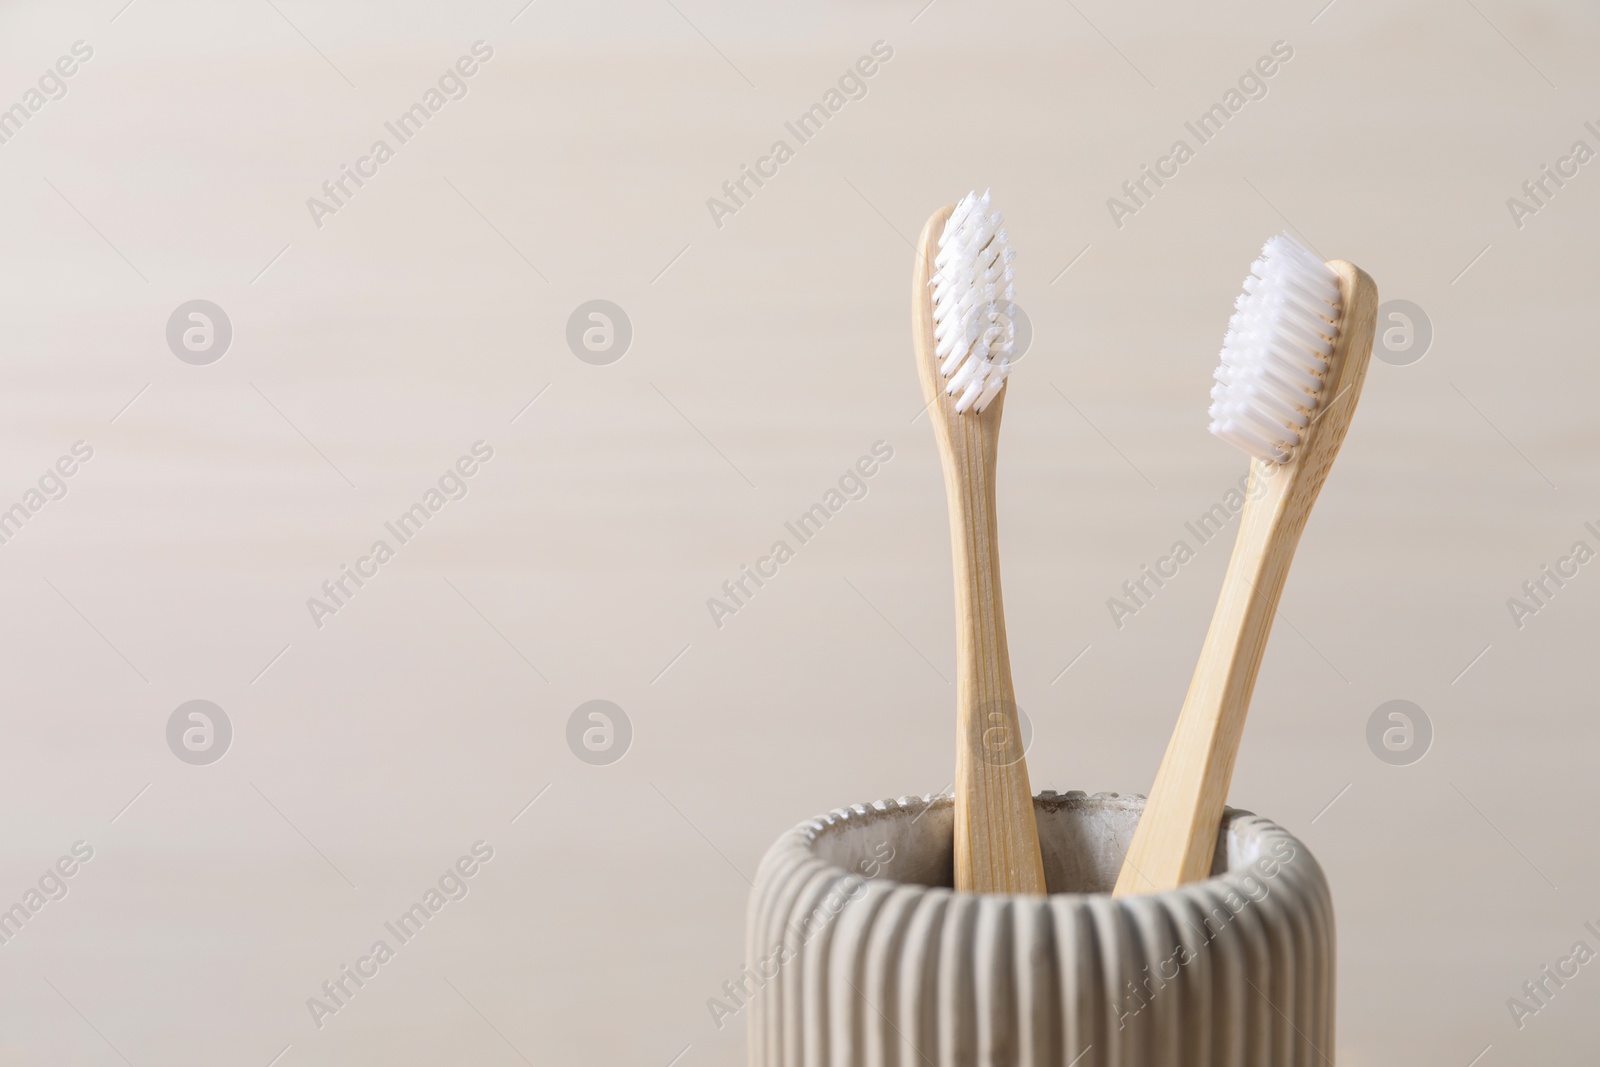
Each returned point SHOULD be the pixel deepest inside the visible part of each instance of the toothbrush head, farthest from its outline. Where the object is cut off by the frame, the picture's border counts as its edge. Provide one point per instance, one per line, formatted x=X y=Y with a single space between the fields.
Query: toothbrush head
x=1277 y=353
x=974 y=319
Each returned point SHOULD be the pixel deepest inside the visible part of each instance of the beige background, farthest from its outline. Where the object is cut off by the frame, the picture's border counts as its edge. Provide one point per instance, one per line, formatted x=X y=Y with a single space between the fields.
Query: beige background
x=767 y=356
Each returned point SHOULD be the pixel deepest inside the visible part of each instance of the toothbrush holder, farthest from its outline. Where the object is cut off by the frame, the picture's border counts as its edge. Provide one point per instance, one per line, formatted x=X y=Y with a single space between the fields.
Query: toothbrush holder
x=859 y=952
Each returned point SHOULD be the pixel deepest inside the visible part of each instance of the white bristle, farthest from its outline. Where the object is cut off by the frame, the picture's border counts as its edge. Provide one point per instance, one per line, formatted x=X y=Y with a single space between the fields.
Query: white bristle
x=1275 y=354
x=974 y=329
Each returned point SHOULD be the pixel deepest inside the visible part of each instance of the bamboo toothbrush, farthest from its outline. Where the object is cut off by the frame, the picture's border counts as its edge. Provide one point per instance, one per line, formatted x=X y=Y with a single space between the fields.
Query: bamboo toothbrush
x=962 y=327
x=1293 y=361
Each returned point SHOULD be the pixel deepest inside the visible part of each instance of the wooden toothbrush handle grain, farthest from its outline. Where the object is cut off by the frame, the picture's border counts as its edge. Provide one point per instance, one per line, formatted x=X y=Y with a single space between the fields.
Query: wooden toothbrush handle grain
x=996 y=835
x=1177 y=834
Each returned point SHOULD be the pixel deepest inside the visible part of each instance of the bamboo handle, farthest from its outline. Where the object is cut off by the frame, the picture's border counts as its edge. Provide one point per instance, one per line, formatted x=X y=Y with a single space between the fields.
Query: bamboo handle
x=996 y=835
x=1176 y=841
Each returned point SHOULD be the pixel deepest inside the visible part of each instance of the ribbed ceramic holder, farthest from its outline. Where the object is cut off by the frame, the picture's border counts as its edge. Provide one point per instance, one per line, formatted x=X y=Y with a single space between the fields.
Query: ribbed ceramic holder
x=860 y=953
